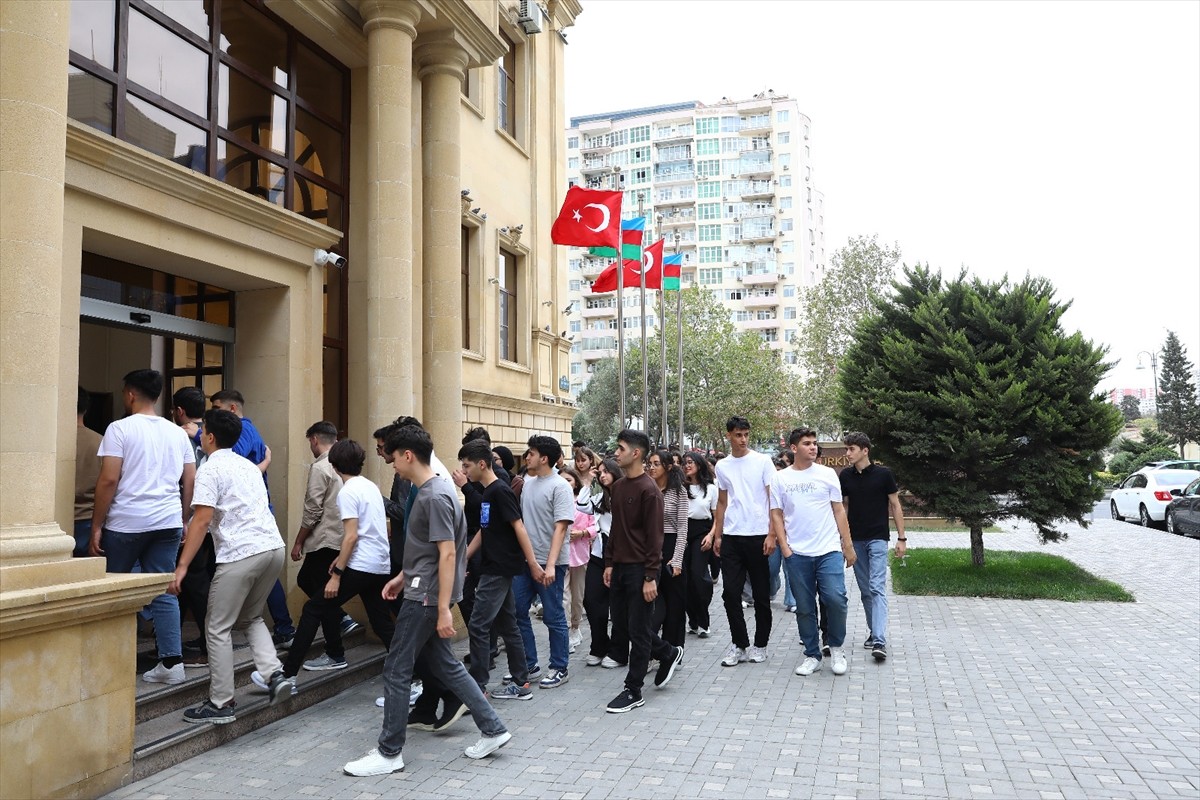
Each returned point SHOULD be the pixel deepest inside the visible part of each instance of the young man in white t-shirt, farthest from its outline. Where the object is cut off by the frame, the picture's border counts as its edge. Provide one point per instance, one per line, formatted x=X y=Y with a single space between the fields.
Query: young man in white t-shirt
x=741 y=536
x=230 y=501
x=810 y=523
x=147 y=468
x=362 y=567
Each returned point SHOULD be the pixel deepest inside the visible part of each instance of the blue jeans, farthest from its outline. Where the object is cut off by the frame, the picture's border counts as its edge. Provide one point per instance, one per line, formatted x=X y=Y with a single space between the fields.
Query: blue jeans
x=554 y=616
x=156 y=551
x=278 y=608
x=416 y=630
x=824 y=576
x=774 y=562
x=789 y=599
x=83 y=537
x=870 y=571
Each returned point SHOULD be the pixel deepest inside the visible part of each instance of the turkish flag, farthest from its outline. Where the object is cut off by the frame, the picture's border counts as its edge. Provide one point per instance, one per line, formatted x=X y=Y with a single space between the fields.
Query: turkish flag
x=651 y=265
x=589 y=218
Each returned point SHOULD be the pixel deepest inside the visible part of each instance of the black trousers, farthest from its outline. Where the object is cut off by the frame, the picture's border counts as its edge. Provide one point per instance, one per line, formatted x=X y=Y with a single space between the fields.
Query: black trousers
x=323 y=612
x=698 y=578
x=595 y=607
x=669 y=618
x=193 y=594
x=741 y=558
x=313 y=575
x=631 y=620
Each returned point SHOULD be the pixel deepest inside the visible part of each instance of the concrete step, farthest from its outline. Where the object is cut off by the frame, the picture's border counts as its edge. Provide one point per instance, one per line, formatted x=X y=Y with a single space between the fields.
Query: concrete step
x=162 y=738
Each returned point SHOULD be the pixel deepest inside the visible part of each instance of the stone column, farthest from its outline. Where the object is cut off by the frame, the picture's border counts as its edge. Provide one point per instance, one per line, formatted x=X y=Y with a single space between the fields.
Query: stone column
x=34 y=37
x=442 y=62
x=391 y=28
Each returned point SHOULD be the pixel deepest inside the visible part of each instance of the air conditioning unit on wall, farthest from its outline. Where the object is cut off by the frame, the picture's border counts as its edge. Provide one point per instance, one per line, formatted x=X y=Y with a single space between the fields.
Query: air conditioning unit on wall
x=529 y=17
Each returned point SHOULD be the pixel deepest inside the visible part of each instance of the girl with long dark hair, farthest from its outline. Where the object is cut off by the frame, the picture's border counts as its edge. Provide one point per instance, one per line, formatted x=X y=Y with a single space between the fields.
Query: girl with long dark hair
x=702 y=501
x=672 y=593
x=595 y=593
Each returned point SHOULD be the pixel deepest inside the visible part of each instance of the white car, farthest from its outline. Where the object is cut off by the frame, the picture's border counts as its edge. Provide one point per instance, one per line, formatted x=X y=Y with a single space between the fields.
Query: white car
x=1145 y=494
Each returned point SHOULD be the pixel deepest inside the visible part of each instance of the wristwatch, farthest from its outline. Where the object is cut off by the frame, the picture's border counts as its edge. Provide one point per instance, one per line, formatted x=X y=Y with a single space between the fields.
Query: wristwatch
x=335 y=569
x=901 y=538
x=649 y=579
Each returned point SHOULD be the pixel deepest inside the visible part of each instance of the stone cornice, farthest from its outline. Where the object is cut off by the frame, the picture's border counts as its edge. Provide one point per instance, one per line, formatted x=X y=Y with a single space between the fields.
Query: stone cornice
x=506 y=403
x=335 y=24
x=26 y=611
x=123 y=160
x=565 y=12
x=483 y=44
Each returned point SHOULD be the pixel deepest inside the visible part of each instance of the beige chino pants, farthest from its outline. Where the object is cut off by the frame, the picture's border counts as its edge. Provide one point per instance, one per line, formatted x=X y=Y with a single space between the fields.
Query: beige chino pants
x=235 y=602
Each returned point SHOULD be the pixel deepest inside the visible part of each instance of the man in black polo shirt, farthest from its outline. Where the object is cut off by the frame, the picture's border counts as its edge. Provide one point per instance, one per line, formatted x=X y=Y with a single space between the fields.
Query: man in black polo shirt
x=870 y=494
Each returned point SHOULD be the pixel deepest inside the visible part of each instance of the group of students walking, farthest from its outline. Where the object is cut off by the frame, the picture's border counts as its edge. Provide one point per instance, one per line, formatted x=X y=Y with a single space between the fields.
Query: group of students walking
x=631 y=541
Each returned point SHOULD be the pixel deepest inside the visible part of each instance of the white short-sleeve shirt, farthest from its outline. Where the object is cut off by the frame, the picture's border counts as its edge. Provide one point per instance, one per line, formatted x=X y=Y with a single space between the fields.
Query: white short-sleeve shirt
x=360 y=499
x=153 y=452
x=804 y=496
x=746 y=479
x=243 y=524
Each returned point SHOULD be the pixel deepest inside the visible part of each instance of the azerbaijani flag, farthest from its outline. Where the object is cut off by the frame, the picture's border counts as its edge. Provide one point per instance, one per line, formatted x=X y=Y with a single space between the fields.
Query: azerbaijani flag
x=632 y=231
x=672 y=269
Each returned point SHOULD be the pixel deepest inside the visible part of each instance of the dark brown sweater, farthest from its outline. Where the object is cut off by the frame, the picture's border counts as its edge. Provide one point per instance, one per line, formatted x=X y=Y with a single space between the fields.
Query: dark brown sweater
x=637 y=524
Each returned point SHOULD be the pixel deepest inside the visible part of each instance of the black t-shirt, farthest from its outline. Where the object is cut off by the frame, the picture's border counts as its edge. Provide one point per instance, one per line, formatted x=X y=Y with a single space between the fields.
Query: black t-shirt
x=500 y=550
x=867 y=493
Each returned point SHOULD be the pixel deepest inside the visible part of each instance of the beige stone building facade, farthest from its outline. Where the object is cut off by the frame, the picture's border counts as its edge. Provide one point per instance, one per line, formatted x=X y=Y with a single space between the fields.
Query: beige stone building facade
x=167 y=172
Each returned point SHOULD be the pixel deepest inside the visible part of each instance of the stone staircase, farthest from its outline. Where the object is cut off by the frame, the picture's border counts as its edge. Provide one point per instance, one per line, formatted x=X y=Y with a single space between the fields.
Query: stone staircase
x=161 y=737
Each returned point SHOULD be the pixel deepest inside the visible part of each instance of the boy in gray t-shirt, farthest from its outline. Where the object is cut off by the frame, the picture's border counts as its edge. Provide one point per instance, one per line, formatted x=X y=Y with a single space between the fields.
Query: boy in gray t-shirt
x=432 y=579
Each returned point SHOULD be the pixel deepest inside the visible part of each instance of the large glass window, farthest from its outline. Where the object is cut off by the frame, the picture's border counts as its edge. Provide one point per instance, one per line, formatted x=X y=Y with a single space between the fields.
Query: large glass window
x=222 y=87
x=507 y=274
x=226 y=88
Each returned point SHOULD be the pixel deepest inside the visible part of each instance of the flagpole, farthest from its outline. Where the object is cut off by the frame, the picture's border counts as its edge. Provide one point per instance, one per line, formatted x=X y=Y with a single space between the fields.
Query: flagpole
x=642 y=282
x=662 y=338
x=680 y=350
x=616 y=174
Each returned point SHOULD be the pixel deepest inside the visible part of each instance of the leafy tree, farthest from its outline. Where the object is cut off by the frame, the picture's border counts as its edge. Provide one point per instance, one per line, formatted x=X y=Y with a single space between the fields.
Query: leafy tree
x=984 y=407
x=725 y=372
x=1130 y=407
x=1178 y=404
x=858 y=275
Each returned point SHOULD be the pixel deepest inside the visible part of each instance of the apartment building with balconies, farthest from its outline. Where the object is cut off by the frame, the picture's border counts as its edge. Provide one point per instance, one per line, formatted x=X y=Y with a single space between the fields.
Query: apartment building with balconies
x=729 y=186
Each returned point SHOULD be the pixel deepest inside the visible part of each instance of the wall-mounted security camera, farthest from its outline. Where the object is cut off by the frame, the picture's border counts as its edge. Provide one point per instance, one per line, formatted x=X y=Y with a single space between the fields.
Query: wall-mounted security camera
x=323 y=257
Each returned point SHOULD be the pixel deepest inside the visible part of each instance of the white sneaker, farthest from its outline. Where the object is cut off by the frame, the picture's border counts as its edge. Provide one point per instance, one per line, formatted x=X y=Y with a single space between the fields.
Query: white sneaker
x=734 y=655
x=576 y=638
x=487 y=745
x=414 y=692
x=608 y=663
x=703 y=633
x=161 y=674
x=809 y=666
x=756 y=655
x=593 y=661
x=839 y=665
x=374 y=763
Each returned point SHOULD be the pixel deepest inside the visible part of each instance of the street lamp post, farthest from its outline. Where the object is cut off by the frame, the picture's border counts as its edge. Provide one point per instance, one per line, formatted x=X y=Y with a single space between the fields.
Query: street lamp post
x=1153 y=372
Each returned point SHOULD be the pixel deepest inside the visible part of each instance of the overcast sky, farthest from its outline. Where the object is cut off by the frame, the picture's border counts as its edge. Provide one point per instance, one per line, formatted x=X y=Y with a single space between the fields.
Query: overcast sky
x=1056 y=138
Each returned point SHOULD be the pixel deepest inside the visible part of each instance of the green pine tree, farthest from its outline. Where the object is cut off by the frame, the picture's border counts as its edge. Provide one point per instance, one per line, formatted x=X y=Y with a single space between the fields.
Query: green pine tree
x=983 y=406
x=1178 y=403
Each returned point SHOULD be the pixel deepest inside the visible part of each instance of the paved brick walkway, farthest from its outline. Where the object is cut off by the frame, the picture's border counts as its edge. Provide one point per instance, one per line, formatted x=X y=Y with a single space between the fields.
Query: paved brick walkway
x=980 y=698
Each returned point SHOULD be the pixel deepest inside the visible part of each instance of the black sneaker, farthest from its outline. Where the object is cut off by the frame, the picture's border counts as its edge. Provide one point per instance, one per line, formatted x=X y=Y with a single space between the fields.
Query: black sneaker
x=625 y=701
x=825 y=651
x=667 y=668
x=281 y=642
x=452 y=711
x=194 y=646
x=421 y=720
x=280 y=687
x=209 y=713
x=879 y=652
x=869 y=643
x=534 y=674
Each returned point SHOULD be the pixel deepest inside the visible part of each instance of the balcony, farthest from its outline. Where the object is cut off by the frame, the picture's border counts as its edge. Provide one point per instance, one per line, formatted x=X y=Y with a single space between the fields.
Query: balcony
x=770 y=300
x=596 y=145
x=758 y=190
x=594 y=166
x=674 y=176
x=755 y=168
x=760 y=102
x=596 y=355
x=761 y=279
x=594 y=126
x=760 y=324
x=678 y=218
x=756 y=125
x=756 y=234
x=674 y=134
x=672 y=199
x=599 y=312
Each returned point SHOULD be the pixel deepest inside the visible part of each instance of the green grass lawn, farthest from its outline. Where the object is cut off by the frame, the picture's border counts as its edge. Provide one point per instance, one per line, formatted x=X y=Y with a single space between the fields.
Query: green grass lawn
x=942 y=527
x=1005 y=573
